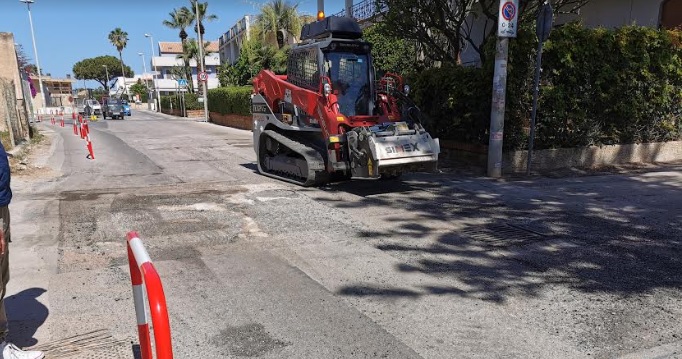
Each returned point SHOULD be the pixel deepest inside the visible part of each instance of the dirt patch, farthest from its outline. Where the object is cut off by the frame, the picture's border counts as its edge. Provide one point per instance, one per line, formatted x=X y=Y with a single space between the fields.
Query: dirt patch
x=25 y=163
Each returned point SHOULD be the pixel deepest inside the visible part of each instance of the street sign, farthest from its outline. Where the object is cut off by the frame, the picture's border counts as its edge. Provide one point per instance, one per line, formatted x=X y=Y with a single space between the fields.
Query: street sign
x=182 y=82
x=203 y=76
x=508 y=18
x=545 y=19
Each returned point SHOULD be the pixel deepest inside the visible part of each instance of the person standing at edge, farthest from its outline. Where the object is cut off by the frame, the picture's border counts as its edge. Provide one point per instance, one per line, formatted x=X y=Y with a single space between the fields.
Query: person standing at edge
x=7 y=350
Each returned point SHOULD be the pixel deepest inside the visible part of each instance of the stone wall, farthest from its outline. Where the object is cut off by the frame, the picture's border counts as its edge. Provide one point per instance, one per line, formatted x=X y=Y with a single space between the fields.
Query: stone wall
x=236 y=121
x=455 y=154
x=13 y=115
x=176 y=112
x=594 y=156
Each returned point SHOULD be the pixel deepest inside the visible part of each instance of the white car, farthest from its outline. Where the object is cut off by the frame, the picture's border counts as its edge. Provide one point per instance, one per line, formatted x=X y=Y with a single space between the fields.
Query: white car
x=94 y=107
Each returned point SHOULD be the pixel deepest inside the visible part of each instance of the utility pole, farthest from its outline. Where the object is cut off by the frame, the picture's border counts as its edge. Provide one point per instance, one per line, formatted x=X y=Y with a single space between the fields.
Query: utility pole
x=201 y=60
x=156 y=91
x=507 y=20
x=349 y=8
x=144 y=68
x=35 y=51
x=320 y=8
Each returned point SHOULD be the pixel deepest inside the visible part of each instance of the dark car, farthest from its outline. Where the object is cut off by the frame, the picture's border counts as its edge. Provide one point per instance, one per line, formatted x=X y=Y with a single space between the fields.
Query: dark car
x=126 y=108
x=113 y=108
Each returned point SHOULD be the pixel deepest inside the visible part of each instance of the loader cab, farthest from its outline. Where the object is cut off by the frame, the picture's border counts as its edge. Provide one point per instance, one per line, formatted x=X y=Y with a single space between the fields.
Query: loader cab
x=348 y=69
x=332 y=49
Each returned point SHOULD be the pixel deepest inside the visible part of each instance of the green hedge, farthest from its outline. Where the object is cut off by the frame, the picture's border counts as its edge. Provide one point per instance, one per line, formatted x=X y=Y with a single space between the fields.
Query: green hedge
x=191 y=102
x=599 y=87
x=611 y=86
x=230 y=100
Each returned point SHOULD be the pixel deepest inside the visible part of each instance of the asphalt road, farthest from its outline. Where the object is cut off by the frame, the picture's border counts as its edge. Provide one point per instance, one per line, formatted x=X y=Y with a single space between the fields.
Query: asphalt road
x=433 y=266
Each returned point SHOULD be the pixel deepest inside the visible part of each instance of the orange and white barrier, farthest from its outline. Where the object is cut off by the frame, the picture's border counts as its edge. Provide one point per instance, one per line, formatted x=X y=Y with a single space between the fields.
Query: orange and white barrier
x=142 y=270
x=75 y=127
x=88 y=144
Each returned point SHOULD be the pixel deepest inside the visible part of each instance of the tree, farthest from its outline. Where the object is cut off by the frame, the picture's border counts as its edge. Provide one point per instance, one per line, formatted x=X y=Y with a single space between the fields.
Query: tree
x=140 y=89
x=119 y=39
x=278 y=20
x=198 y=18
x=182 y=19
x=32 y=69
x=93 y=69
x=441 y=28
x=190 y=51
x=203 y=16
x=391 y=54
x=22 y=58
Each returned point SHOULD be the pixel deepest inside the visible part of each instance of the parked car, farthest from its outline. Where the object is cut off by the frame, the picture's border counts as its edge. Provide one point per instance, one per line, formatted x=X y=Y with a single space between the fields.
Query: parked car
x=126 y=108
x=92 y=107
x=112 y=108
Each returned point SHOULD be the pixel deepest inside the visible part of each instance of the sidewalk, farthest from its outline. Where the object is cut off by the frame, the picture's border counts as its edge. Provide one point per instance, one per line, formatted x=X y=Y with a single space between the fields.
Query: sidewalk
x=34 y=248
x=161 y=114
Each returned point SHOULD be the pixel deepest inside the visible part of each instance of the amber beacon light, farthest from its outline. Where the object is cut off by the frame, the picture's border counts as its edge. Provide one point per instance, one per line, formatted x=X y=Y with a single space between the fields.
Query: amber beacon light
x=320 y=15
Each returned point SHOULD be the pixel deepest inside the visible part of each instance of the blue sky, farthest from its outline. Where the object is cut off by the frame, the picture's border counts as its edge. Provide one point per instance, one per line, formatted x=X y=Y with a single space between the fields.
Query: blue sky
x=68 y=31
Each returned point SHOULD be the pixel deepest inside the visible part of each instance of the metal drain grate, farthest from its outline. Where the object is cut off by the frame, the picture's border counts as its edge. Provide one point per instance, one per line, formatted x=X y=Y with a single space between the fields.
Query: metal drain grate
x=502 y=234
x=93 y=345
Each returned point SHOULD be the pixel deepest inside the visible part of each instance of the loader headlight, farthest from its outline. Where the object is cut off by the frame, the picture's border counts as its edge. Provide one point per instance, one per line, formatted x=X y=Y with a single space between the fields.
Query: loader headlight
x=406 y=89
x=327 y=89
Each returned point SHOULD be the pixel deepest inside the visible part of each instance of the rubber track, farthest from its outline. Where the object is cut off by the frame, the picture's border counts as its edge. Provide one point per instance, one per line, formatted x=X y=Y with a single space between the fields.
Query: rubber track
x=317 y=174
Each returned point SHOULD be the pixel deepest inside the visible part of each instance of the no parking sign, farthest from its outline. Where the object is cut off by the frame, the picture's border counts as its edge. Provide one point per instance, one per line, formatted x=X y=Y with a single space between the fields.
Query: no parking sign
x=508 y=18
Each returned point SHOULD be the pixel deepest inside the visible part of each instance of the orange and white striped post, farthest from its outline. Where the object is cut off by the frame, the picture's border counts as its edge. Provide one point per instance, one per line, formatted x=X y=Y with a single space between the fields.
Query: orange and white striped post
x=142 y=270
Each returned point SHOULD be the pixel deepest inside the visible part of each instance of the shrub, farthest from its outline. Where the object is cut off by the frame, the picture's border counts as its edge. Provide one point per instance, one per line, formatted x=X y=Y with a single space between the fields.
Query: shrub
x=230 y=100
x=191 y=102
x=599 y=87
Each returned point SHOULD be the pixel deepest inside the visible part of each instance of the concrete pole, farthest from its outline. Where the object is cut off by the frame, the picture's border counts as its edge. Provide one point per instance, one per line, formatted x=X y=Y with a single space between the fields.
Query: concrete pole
x=35 y=51
x=349 y=8
x=498 y=108
x=156 y=90
x=201 y=60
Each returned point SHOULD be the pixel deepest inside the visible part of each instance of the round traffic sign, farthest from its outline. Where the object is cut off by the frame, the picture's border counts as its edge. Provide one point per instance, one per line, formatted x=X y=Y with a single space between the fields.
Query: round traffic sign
x=203 y=76
x=508 y=10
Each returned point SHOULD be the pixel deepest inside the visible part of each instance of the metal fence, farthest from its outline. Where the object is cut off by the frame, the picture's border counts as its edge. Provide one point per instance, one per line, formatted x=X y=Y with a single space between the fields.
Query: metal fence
x=364 y=10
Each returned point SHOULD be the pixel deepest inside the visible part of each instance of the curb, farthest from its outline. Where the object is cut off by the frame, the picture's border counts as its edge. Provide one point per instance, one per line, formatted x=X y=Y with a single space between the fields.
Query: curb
x=171 y=116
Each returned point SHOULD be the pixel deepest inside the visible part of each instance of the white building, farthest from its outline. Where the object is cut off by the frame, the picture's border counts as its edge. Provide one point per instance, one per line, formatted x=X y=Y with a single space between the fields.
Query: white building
x=231 y=42
x=116 y=88
x=163 y=64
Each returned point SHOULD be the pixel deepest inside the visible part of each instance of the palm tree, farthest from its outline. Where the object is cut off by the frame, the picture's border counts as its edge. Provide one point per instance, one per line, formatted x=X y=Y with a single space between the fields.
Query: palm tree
x=198 y=20
x=279 y=17
x=190 y=51
x=182 y=19
x=119 y=39
x=203 y=16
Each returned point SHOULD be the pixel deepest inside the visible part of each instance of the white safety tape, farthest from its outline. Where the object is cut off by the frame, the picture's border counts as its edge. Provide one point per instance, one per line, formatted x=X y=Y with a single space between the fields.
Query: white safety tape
x=140 y=253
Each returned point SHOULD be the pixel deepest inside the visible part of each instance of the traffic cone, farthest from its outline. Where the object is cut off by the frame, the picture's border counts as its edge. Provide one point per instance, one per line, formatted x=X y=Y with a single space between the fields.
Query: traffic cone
x=87 y=129
x=91 y=154
x=75 y=128
x=73 y=115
